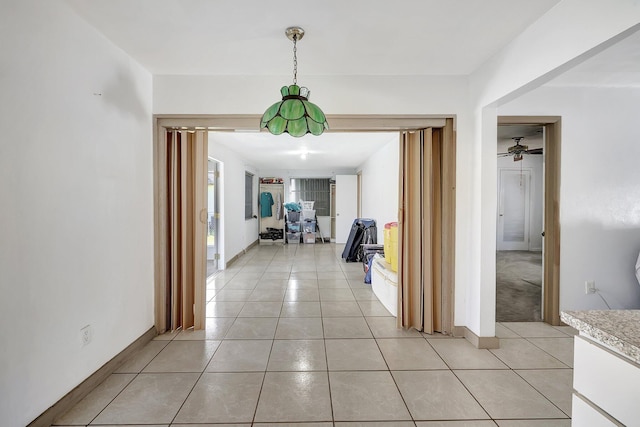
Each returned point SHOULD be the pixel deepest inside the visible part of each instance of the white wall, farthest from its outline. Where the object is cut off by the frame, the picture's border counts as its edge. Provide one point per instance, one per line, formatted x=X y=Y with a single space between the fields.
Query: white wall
x=599 y=190
x=236 y=232
x=406 y=94
x=287 y=174
x=77 y=212
x=570 y=32
x=380 y=186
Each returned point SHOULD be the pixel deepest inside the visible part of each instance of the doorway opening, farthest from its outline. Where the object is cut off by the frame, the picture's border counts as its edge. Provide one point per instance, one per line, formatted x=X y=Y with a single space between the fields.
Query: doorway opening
x=213 y=217
x=519 y=223
x=241 y=123
x=332 y=188
x=359 y=194
x=528 y=219
x=346 y=205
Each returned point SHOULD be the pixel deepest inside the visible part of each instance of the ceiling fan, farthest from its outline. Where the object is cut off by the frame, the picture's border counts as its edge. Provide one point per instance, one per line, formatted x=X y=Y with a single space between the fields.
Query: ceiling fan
x=518 y=150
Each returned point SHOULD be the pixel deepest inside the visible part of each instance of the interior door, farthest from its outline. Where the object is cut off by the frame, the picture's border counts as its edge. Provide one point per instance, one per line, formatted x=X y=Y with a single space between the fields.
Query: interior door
x=333 y=212
x=346 y=205
x=213 y=215
x=514 y=199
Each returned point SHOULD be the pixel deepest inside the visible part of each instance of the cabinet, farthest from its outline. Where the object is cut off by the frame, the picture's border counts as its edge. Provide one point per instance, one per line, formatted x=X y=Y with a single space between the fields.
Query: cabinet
x=606 y=386
x=271 y=210
x=606 y=367
x=384 y=283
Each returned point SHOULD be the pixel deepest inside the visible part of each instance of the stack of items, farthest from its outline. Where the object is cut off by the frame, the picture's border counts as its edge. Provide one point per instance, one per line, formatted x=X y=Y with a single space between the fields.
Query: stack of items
x=308 y=222
x=391 y=244
x=369 y=251
x=293 y=227
x=309 y=230
x=271 y=180
x=272 y=234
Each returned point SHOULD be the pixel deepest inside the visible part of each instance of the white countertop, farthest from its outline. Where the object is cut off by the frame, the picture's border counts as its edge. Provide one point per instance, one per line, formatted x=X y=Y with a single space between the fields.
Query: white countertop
x=618 y=329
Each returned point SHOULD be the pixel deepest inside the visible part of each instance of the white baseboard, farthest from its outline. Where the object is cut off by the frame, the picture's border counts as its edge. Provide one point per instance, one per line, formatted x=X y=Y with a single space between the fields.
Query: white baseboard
x=478 y=342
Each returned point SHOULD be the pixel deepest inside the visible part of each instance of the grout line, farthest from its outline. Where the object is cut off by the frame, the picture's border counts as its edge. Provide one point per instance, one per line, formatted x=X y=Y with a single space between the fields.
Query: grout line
x=264 y=377
x=195 y=383
x=114 y=397
x=326 y=358
x=471 y=394
x=539 y=392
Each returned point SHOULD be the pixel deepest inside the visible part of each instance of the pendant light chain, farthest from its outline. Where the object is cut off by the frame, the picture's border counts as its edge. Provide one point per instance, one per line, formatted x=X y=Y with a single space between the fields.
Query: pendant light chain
x=295 y=60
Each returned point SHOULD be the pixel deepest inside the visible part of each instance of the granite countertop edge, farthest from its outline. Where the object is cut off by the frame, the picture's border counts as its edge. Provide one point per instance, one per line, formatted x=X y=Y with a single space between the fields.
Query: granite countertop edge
x=618 y=329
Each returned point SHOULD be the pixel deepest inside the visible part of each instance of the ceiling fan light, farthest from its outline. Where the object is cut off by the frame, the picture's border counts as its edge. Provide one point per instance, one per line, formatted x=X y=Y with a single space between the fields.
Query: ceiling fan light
x=518 y=148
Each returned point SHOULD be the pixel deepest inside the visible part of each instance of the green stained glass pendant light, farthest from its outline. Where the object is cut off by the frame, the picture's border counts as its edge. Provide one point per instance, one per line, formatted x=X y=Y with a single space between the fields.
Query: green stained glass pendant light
x=294 y=114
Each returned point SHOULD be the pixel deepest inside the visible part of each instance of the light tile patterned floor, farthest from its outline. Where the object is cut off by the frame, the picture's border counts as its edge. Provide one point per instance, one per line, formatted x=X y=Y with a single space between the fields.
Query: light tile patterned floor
x=294 y=337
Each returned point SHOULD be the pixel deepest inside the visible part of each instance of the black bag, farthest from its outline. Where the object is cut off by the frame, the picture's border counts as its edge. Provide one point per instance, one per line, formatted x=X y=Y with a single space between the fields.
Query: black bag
x=363 y=231
x=368 y=251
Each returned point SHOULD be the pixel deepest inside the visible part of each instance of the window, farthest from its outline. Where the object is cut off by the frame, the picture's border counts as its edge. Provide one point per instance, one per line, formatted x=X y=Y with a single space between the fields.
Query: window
x=248 y=195
x=312 y=189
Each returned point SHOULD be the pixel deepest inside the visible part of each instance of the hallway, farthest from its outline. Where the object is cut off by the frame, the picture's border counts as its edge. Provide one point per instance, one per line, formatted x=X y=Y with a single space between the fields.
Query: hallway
x=518 y=286
x=294 y=337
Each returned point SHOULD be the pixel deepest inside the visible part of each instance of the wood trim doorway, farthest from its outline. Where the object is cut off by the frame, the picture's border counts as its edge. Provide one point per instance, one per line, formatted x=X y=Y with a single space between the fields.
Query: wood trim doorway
x=343 y=123
x=551 y=215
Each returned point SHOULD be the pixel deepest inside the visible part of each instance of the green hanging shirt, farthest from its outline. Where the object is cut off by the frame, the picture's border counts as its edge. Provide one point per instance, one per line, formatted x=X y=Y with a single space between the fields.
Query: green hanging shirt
x=266 y=201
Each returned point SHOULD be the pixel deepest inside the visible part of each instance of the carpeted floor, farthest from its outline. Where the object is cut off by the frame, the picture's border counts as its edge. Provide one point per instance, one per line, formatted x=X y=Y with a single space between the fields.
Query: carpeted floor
x=518 y=286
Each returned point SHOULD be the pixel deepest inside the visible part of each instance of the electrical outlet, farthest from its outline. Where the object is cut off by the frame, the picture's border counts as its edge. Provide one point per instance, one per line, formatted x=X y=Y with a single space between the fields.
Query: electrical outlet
x=86 y=335
x=590 y=287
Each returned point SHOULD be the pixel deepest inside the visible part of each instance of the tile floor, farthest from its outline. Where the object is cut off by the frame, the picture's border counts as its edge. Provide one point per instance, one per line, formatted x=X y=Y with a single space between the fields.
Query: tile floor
x=295 y=338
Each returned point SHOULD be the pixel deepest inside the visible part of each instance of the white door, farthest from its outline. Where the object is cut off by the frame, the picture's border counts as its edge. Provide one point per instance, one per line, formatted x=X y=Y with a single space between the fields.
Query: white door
x=346 y=205
x=333 y=212
x=213 y=215
x=514 y=199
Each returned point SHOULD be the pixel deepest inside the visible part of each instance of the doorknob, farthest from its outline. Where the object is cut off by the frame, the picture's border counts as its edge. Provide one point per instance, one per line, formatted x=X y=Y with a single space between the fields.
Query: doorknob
x=542 y=234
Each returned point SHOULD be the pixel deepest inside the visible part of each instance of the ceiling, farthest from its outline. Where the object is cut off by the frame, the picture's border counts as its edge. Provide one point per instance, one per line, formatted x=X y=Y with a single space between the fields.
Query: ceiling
x=528 y=132
x=335 y=150
x=356 y=37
